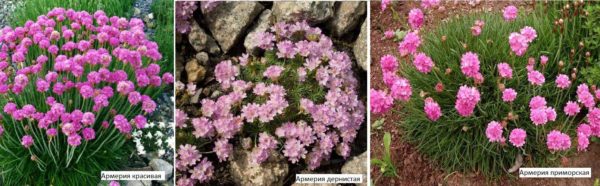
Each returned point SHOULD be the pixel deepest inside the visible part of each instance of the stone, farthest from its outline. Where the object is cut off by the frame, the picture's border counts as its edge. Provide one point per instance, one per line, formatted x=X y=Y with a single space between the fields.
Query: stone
x=347 y=16
x=314 y=12
x=262 y=24
x=138 y=183
x=360 y=48
x=179 y=66
x=195 y=71
x=271 y=172
x=202 y=58
x=162 y=165
x=229 y=21
x=357 y=165
x=201 y=41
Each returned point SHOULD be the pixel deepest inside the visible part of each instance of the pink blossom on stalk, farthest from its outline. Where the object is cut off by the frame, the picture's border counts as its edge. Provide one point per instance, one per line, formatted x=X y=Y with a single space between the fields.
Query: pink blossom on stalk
x=517 y=137
x=223 y=149
x=584 y=129
x=494 y=132
x=409 y=44
x=294 y=150
x=509 y=95
x=543 y=59
x=401 y=89
x=273 y=72
x=429 y=3
x=423 y=63
x=74 y=140
x=529 y=33
x=466 y=100
x=202 y=127
x=88 y=134
x=432 y=109
x=535 y=78
x=384 y=4
x=562 y=81
x=593 y=117
x=584 y=96
x=510 y=13
x=505 y=70
x=537 y=102
x=557 y=141
x=203 y=171
x=572 y=108
x=27 y=141
x=583 y=142
x=388 y=34
x=180 y=118
x=266 y=143
x=380 y=102
x=140 y=121
x=469 y=64
x=187 y=155
x=518 y=43
x=388 y=63
x=415 y=18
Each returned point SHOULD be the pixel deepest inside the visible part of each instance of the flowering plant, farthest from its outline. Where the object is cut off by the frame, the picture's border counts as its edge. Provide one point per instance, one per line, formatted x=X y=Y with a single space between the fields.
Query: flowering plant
x=74 y=85
x=509 y=89
x=300 y=99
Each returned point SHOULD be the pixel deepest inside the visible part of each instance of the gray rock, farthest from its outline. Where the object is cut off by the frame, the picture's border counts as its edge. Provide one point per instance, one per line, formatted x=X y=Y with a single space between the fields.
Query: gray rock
x=195 y=71
x=202 y=58
x=138 y=183
x=360 y=48
x=263 y=23
x=314 y=12
x=196 y=97
x=270 y=172
x=357 y=165
x=229 y=21
x=201 y=41
x=347 y=16
x=179 y=66
x=162 y=165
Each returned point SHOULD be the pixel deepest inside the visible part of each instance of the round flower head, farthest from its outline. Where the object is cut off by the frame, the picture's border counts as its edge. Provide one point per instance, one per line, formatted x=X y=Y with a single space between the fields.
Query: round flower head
x=582 y=142
x=27 y=141
x=529 y=33
x=401 y=89
x=469 y=64
x=380 y=102
x=273 y=72
x=562 y=81
x=518 y=43
x=388 y=34
x=572 y=108
x=423 y=63
x=388 y=63
x=505 y=70
x=384 y=4
x=557 y=141
x=509 y=95
x=510 y=13
x=415 y=18
x=466 y=100
x=494 y=132
x=536 y=78
x=432 y=109
x=409 y=44
x=429 y=3
x=517 y=137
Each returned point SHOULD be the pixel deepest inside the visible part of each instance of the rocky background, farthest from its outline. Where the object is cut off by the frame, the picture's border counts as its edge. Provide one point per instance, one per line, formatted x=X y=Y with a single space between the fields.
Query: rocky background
x=229 y=30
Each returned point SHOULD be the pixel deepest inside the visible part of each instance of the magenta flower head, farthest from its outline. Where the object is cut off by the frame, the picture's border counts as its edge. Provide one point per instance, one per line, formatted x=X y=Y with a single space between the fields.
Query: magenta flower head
x=494 y=132
x=432 y=109
x=517 y=137
x=415 y=18
x=510 y=13
x=74 y=140
x=380 y=102
x=401 y=89
x=388 y=63
x=409 y=44
x=509 y=95
x=505 y=70
x=558 y=141
x=27 y=141
x=466 y=100
x=469 y=64
x=423 y=63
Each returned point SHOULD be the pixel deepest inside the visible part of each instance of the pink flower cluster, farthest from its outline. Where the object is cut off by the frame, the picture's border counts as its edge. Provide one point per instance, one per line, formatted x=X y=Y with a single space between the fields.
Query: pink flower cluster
x=415 y=18
x=430 y=3
x=469 y=65
x=466 y=100
x=505 y=70
x=334 y=122
x=539 y=113
x=517 y=137
x=78 y=52
x=191 y=161
x=184 y=11
x=558 y=141
x=423 y=63
x=476 y=29
x=410 y=43
x=584 y=96
x=494 y=132
x=432 y=109
x=510 y=13
x=519 y=42
x=380 y=102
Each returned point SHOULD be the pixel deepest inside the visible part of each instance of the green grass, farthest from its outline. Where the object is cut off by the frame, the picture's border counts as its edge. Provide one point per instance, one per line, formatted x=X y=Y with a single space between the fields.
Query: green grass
x=163 y=36
x=459 y=143
x=31 y=9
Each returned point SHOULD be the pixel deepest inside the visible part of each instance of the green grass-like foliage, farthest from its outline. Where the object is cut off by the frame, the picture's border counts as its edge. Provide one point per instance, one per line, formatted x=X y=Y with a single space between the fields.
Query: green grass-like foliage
x=163 y=35
x=33 y=8
x=386 y=164
x=459 y=143
x=592 y=42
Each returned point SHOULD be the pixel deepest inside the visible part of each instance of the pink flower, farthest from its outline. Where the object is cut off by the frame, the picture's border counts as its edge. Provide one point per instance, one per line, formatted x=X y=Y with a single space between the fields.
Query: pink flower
x=558 y=141
x=202 y=127
x=140 y=121
x=223 y=149
x=494 y=132
x=409 y=44
x=415 y=18
x=543 y=59
x=180 y=118
x=88 y=134
x=389 y=34
x=582 y=142
x=509 y=95
x=388 y=63
x=384 y=4
x=535 y=78
x=562 y=81
x=469 y=64
x=273 y=72
x=423 y=63
x=584 y=96
x=584 y=129
x=541 y=116
x=466 y=100
x=510 y=13
x=537 y=102
x=529 y=33
x=572 y=108
x=380 y=102
x=429 y=3
x=27 y=141
x=432 y=109
x=401 y=89
x=505 y=70
x=517 y=137
x=475 y=30
x=593 y=117
x=225 y=72
x=518 y=43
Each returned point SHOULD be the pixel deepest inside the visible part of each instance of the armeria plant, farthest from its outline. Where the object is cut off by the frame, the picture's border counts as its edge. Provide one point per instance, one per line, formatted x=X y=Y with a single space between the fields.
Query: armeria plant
x=483 y=89
x=73 y=86
x=299 y=99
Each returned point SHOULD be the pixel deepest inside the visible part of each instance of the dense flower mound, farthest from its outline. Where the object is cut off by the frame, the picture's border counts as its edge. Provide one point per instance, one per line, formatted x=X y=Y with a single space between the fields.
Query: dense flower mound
x=504 y=90
x=299 y=100
x=74 y=85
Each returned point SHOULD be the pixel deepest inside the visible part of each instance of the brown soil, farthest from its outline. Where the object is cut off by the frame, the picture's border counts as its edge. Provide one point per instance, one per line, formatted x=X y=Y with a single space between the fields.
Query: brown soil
x=412 y=167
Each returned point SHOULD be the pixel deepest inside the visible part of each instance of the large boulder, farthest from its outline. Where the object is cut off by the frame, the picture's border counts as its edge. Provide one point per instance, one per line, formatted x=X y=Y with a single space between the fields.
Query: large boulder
x=357 y=165
x=162 y=165
x=314 y=12
x=262 y=24
x=360 y=48
x=271 y=172
x=347 y=16
x=202 y=41
x=229 y=20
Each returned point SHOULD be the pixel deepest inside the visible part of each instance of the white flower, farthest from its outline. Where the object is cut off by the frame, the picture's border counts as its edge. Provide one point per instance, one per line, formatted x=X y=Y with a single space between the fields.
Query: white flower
x=158 y=134
x=161 y=152
x=161 y=125
x=151 y=125
x=149 y=135
x=159 y=142
x=171 y=142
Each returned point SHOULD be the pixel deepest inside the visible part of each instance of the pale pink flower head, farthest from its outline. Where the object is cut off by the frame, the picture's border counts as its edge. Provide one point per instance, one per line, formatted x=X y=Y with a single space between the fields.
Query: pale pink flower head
x=415 y=18
x=389 y=34
x=509 y=95
x=273 y=72
x=388 y=63
x=409 y=44
x=466 y=100
x=536 y=78
x=518 y=43
x=423 y=63
x=584 y=129
x=537 y=102
x=475 y=30
x=543 y=59
x=432 y=109
x=494 y=132
x=529 y=33
x=384 y=4
x=510 y=13
x=380 y=102
x=27 y=141
x=517 y=137
x=505 y=70
x=541 y=116
x=469 y=64
x=401 y=89
x=557 y=141
x=429 y=3
x=582 y=142
x=572 y=108
x=562 y=81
